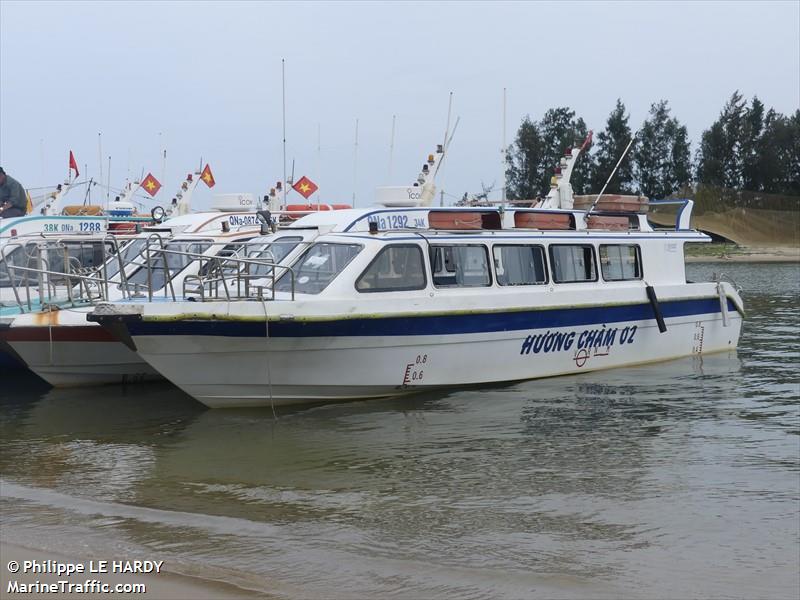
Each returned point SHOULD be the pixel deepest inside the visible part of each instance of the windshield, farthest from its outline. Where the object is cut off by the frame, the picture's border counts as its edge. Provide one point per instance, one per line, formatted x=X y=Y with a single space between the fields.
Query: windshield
x=318 y=267
x=128 y=254
x=78 y=255
x=175 y=263
x=271 y=253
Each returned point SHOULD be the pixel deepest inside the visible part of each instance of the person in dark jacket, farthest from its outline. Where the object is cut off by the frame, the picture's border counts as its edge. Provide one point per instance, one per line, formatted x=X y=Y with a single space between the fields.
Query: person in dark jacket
x=13 y=199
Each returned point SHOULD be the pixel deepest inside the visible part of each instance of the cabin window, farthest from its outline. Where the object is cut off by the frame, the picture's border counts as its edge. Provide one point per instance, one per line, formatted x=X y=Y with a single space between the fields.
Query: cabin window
x=396 y=268
x=520 y=265
x=318 y=267
x=460 y=266
x=620 y=262
x=571 y=264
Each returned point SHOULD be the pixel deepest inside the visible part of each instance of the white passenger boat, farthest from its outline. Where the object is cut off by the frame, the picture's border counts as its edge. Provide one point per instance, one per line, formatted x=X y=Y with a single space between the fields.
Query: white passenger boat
x=392 y=300
x=60 y=346
x=44 y=253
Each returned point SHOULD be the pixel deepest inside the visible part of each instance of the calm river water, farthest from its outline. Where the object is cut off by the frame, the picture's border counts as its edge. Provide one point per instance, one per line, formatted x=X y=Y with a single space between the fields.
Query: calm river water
x=680 y=479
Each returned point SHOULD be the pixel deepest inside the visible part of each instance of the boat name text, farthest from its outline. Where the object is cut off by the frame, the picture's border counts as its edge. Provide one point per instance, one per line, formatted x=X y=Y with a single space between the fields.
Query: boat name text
x=589 y=338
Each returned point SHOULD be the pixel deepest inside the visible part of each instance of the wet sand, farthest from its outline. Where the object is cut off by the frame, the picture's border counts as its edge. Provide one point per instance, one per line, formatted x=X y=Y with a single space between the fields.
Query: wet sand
x=166 y=584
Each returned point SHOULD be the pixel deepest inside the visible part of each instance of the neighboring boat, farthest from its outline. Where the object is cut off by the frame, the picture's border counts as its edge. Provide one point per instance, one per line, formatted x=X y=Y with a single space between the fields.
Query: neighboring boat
x=393 y=300
x=43 y=255
x=161 y=264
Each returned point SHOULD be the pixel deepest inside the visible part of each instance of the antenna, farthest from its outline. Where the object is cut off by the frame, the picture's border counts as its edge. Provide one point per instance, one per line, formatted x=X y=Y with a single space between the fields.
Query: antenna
x=163 y=149
x=391 y=147
x=319 y=159
x=447 y=145
x=503 y=155
x=283 y=92
x=108 y=187
x=355 y=165
x=100 y=154
x=619 y=162
x=447 y=128
x=88 y=196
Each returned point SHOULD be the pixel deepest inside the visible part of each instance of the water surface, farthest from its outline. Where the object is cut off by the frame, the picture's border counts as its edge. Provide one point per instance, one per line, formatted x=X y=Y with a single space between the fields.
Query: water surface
x=671 y=480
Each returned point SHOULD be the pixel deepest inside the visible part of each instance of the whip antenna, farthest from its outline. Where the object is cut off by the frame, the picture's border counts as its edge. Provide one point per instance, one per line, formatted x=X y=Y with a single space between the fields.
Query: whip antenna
x=619 y=162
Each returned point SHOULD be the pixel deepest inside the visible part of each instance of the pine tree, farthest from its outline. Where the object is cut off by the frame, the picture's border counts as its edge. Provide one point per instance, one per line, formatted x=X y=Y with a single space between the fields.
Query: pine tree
x=750 y=146
x=538 y=149
x=661 y=160
x=710 y=156
x=611 y=144
x=523 y=180
x=793 y=156
x=720 y=159
x=779 y=164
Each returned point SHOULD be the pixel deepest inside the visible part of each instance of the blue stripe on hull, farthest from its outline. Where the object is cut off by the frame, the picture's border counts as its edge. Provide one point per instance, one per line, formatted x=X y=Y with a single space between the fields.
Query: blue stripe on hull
x=431 y=325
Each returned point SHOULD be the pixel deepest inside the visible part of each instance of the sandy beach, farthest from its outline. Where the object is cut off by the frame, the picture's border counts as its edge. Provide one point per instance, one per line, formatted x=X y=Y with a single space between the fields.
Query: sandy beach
x=166 y=584
x=743 y=254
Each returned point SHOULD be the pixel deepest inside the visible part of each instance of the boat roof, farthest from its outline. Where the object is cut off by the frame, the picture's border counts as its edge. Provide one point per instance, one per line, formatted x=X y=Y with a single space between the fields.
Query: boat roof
x=447 y=218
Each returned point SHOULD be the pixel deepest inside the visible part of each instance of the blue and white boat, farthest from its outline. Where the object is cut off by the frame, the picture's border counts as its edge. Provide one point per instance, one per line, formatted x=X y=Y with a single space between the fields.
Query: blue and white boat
x=398 y=299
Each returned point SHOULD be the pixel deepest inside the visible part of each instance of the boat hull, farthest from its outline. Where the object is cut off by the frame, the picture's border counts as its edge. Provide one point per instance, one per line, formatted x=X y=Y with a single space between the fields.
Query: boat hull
x=235 y=364
x=78 y=355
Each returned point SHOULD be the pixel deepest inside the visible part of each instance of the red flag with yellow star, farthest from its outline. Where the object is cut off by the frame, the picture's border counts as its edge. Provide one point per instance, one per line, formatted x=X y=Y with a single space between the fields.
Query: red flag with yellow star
x=305 y=187
x=151 y=184
x=208 y=177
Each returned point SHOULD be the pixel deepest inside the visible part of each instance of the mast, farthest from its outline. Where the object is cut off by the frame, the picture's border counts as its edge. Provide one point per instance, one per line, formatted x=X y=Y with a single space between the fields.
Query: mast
x=283 y=94
x=163 y=150
x=355 y=165
x=108 y=187
x=503 y=156
x=319 y=159
x=100 y=155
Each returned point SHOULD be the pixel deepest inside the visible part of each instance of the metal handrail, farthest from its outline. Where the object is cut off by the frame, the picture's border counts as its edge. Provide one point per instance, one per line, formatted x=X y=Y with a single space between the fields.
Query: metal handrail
x=238 y=261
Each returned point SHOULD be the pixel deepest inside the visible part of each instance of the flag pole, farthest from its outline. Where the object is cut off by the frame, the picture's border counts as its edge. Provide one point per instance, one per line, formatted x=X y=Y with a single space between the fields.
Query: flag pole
x=319 y=159
x=283 y=93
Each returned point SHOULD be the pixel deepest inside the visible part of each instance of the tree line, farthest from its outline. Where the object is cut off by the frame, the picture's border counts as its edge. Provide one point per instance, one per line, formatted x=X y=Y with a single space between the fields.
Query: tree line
x=746 y=148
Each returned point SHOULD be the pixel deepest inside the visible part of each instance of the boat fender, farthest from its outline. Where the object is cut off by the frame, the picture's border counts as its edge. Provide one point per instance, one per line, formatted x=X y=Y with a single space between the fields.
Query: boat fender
x=651 y=295
x=723 y=304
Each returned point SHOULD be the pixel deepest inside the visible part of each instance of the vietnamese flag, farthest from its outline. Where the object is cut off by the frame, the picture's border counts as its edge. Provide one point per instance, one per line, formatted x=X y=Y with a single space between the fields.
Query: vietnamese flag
x=208 y=177
x=73 y=164
x=305 y=187
x=151 y=184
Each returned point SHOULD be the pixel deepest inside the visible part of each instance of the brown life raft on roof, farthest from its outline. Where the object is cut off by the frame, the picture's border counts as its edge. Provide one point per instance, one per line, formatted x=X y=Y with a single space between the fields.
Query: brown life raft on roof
x=613 y=203
x=543 y=220
x=91 y=210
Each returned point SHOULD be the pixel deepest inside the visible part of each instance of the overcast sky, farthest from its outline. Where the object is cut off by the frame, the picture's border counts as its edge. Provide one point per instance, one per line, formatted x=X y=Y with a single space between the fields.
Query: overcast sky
x=203 y=79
